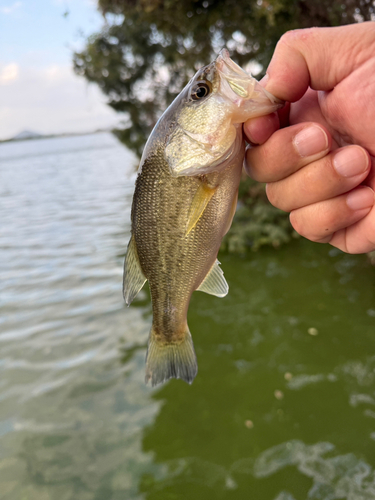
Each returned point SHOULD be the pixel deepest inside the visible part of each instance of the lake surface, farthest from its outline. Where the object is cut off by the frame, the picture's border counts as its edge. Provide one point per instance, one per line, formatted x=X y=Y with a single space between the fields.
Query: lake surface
x=283 y=407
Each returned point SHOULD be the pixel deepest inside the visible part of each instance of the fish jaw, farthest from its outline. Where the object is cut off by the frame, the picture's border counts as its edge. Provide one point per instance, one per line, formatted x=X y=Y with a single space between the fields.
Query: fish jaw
x=243 y=91
x=234 y=80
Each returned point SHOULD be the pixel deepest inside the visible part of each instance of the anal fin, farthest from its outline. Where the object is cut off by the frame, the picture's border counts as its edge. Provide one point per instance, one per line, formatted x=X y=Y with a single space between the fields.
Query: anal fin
x=214 y=283
x=200 y=201
x=134 y=279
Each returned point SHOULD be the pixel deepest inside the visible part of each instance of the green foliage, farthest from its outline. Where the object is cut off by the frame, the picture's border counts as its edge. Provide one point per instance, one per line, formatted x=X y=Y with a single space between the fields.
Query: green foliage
x=371 y=257
x=256 y=222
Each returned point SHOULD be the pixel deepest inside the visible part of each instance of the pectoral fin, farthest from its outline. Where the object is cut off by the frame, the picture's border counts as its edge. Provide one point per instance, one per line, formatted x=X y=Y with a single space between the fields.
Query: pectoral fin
x=134 y=279
x=214 y=283
x=200 y=201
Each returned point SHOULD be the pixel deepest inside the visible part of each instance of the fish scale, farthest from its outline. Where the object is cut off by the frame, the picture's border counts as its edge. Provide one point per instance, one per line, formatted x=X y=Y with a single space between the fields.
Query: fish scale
x=166 y=254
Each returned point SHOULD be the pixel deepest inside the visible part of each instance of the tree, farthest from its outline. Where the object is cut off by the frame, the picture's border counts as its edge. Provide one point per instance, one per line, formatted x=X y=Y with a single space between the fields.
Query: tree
x=149 y=49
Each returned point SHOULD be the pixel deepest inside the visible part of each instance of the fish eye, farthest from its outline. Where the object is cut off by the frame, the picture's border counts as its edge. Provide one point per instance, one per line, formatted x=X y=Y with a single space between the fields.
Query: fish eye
x=200 y=90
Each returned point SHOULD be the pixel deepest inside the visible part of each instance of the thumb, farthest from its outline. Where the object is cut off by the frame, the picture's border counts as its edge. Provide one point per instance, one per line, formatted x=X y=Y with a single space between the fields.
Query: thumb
x=318 y=57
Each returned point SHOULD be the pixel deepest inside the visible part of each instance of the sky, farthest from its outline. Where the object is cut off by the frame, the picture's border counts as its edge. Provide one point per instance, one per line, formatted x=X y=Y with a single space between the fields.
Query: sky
x=38 y=88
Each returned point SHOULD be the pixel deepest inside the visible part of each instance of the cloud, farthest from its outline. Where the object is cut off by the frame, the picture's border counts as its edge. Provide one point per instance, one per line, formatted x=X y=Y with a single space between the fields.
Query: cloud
x=8 y=73
x=9 y=9
x=50 y=100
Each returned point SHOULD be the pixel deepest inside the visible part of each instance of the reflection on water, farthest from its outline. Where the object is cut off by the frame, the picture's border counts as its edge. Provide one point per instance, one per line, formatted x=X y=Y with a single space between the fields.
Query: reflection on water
x=283 y=406
x=338 y=476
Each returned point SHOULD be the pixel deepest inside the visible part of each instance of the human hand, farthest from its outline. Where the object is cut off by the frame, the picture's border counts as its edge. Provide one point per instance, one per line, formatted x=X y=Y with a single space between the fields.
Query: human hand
x=321 y=166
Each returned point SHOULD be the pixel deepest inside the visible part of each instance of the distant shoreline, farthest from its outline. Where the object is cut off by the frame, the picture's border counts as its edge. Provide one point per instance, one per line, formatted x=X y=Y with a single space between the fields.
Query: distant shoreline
x=52 y=136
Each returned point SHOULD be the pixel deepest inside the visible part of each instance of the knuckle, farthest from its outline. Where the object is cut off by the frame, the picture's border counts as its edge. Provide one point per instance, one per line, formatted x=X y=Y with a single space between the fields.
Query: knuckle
x=309 y=228
x=276 y=197
x=292 y=37
x=266 y=163
x=259 y=164
x=272 y=194
x=288 y=37
x=329 y=220
x=306 y=182
x=251 y=165
x=295 y=222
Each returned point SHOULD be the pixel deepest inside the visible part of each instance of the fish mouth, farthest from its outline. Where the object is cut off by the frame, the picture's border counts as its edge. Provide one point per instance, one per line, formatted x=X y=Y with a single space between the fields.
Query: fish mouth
x=238 y=85
x=235 y=82
x=226 y=66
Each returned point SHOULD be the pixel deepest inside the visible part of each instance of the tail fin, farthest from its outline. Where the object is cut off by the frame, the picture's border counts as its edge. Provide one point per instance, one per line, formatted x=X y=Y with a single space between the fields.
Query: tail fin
x=170 y=360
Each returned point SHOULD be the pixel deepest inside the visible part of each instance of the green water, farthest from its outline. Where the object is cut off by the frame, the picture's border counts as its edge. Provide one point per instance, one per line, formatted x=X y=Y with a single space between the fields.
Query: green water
x=246 y=345
x=283 y=406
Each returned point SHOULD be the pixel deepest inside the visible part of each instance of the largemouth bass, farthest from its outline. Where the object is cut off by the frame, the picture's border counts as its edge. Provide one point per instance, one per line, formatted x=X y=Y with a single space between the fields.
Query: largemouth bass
x=184 y=201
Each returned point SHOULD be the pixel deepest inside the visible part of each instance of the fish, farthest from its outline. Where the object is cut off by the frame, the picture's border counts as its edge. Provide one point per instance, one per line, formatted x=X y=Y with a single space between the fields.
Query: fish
x=184 y=201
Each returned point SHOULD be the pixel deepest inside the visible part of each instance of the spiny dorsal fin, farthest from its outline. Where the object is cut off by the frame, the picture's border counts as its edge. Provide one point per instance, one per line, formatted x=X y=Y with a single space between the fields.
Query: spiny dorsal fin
x=134 y=279
x=214 y=283
x=200 y=201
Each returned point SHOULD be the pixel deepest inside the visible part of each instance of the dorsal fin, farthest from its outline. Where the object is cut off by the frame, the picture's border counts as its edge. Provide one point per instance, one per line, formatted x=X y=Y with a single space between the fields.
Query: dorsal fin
x=214 y=283
x=134 y=279
x=200 y=201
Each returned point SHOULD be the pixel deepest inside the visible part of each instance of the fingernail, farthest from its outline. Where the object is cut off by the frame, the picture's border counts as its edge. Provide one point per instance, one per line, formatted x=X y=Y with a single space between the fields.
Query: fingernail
x=310 y=141
x=360 y=198
x=350 y=161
